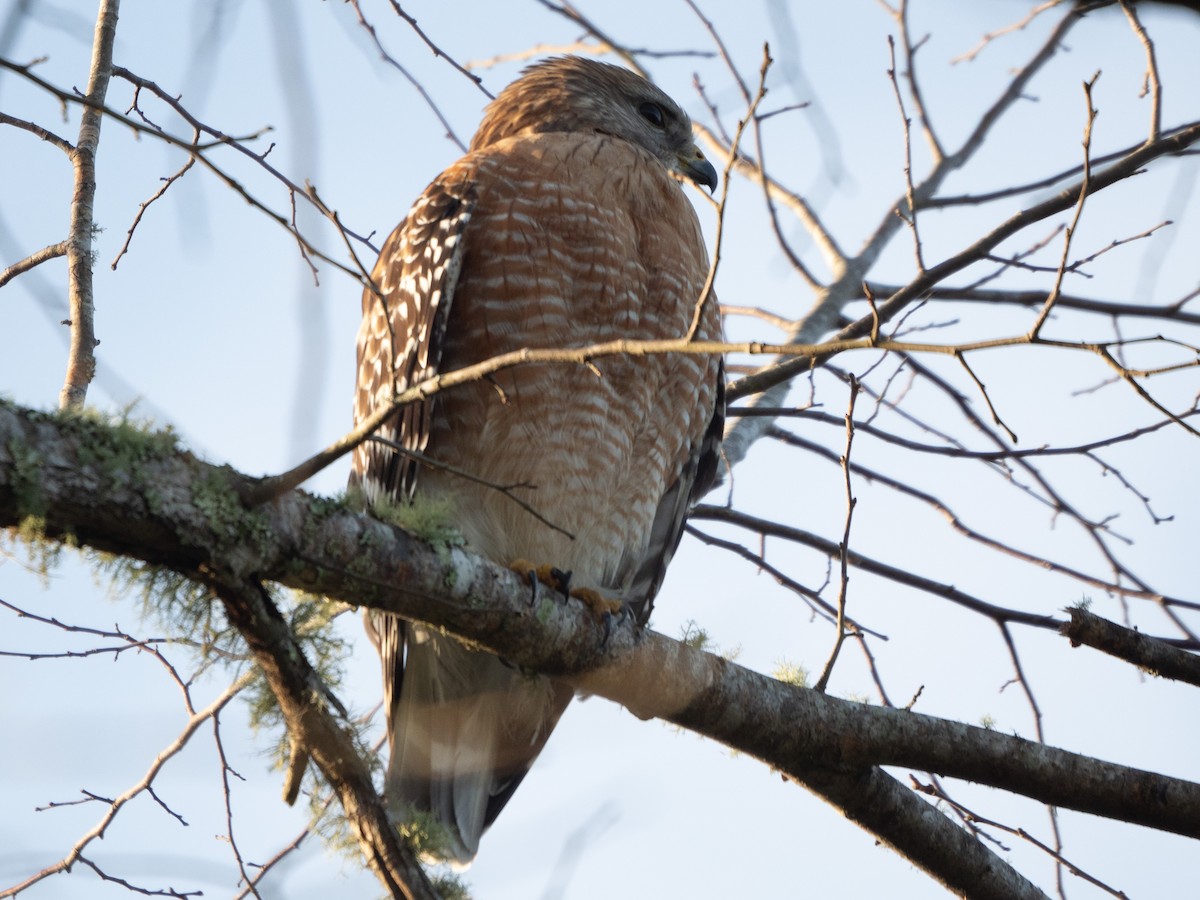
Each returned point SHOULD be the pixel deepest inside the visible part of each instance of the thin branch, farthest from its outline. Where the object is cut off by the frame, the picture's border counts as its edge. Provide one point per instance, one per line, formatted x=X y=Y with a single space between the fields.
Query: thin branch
x=844 y=546
x=914 y=86
x=505 y=490
x=408 y=76
x=33 y=260
x=1153 y=84
x=226 y=769
x=115 y=805
x=142 y=207
x=718 y=239
x=962 y=359
x=81 y=358
x=1110 y=309
x=1019 y=25
x=33 y=128
x=439 y=52
x=1085 y=184
x=909 y=216
x=973 y=819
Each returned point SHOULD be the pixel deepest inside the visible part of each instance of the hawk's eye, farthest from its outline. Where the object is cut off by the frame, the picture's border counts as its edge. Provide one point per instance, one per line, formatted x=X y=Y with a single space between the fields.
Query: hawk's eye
x=653 y=113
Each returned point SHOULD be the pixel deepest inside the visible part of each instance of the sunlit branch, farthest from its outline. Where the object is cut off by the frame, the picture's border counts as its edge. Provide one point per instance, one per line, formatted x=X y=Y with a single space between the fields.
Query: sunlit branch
x=142 y=207
x=1153 y=83
x=53 y=251
x=81 y=358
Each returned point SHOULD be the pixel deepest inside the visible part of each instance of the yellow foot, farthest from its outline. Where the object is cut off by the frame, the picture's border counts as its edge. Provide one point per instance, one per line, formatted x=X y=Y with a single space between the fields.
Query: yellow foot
x=560 y=581
x=546 y=574
x=595 y=601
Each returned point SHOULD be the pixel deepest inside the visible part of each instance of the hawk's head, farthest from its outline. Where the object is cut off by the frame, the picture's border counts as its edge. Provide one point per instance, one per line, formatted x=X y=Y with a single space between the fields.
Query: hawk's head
x=571 y=93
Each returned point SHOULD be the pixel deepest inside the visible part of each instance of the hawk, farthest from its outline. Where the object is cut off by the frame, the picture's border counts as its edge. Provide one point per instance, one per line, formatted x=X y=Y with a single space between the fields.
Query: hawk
x=564 y=225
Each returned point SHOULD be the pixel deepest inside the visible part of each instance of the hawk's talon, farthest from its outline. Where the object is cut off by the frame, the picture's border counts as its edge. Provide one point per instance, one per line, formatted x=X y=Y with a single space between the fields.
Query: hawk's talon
x=556 y=578
x=619 y=616
x=533 y=586
x=563 y=580
x=608 y=628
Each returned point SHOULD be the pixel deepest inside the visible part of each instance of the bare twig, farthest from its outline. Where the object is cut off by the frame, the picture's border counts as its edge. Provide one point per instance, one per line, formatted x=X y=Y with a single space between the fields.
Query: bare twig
x=718 y=240
x=1153 y=83
x=33 y=128
x=115 y=805
x=142 y=207
x=908 y=213
x=33 y=260
x=974 y=819
x=505 y=490
x=844 y=546
x=408 y=76
x=1085 y=184
x=970 y=55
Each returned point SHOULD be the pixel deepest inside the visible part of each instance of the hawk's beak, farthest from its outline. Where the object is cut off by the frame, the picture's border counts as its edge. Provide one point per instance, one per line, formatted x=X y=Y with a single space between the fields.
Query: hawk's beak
x=693 y=165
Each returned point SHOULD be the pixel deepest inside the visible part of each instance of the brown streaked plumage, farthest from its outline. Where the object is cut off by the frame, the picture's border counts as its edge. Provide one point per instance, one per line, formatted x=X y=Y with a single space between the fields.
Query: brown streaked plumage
x=562 y=227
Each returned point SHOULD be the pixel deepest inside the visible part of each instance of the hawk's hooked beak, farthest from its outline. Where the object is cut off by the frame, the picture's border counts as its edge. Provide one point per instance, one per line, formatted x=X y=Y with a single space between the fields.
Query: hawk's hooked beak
x=693 y=165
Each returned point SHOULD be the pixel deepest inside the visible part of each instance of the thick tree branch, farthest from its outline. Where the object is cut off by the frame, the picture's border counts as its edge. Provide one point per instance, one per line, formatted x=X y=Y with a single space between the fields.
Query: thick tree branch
x=165 y=506
x=312 y=725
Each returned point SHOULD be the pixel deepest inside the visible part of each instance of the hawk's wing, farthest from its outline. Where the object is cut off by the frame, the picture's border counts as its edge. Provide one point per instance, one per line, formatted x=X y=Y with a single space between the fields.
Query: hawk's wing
x=400 y=344
x=404 y=320
x=697 y=475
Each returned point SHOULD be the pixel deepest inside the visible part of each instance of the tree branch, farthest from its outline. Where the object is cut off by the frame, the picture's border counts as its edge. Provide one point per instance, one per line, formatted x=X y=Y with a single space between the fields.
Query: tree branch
x=53 y=251
x=1155 y=656
x=81 y=361
x=172 y=509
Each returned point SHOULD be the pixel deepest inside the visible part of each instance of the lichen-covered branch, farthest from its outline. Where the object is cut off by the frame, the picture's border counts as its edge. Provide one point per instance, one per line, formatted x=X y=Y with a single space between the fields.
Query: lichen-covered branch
x=128 y=492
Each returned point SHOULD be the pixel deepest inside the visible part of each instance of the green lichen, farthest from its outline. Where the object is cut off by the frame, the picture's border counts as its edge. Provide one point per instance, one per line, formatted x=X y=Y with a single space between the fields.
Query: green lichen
x=450 y=886
x=791 y=673
x=117 y=446
x=182 y=606
x=698 y=638
x=426 y=834
x=27 y=479
x=431 y=520
x=694 y=636
x=546 y=607
x=311 y=620
x=40 y=552
x=231 y=524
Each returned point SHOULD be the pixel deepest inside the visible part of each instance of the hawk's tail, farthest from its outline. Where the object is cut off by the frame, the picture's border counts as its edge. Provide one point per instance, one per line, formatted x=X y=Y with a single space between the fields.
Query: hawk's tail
x=464 y=728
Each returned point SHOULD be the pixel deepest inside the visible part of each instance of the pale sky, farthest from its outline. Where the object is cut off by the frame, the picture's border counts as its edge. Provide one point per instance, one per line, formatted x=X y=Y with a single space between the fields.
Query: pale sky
x=211 y=325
